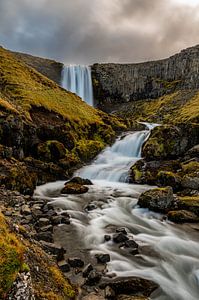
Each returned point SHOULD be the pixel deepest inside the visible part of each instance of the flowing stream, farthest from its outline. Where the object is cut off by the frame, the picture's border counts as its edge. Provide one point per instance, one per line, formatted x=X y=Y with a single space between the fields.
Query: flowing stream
x=168 y=254
x=77 y=79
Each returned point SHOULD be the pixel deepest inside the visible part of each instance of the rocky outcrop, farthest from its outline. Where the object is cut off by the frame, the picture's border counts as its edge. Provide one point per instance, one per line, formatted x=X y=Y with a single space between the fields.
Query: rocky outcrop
x=118 y=83
x=49 y=68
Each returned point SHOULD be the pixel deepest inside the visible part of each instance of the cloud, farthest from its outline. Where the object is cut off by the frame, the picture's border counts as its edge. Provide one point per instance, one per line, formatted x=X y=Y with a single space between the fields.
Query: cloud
x=88 y=31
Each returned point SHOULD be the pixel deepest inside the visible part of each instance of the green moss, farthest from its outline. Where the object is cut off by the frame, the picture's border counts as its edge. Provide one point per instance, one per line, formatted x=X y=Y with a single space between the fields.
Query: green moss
x=11 y=257
x=88 y=149
x=191 y=167
x=51 y=151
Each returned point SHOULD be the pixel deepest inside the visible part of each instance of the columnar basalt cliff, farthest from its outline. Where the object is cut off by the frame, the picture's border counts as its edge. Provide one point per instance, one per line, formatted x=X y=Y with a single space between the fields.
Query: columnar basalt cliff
x=119 y=83
x=49 y=68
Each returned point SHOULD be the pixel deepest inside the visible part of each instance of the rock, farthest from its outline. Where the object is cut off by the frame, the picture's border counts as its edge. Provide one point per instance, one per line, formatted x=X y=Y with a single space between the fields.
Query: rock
x=80 y=181
x=107 y=237
x=7 y=213
x=130 y=244
x=102 y=258
x=87 y=270
x=109 y=293
x=93 y=278
x=191 y=182
x=132 y=285
x=25 y=209
x=159 y=199
x=64 y=266
x=190 y=203
x=46 y=228
x=90 y=207
x=93 y=296
x=122 y=230
x=120 y=237
x=44 y=236
x=167 y=178
x=36 y=212
x=56 y=220
x=50 y=213
x=183 y=216
x=43 y=222
x=75 y=262
x=127 y=297
x=193 y=152
x=54 y=249
x=74 y=188
x=51 y=150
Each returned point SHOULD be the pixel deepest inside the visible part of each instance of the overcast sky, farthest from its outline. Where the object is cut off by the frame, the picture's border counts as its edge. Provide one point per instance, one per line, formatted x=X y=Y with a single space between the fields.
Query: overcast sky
x=88 y=31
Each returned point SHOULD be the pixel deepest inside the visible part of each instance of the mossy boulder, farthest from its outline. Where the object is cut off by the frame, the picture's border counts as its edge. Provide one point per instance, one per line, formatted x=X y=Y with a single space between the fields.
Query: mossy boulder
x=51 y=151
x=182 y=216
x=168 y=178
x=158 y=199
x=74 y=188
x=190 y=203
x=80 y=180
x=88 y=149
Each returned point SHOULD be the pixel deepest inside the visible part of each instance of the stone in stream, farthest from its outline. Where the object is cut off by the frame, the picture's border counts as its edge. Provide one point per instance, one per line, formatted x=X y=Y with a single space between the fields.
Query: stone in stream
x=158 y=199
x=43 y=222
x=63 y=266
x=87 y=270
x=25 y=209
x=182 y=216
x=102 y=258
x=74 y=188
x=44 y=236
x=131 y=285
x=90 y=207
x=127 y=297
x=75 y=262
x=56 y=220
x=130 y=244
x=54 y=249
x=80 y=180
x=120 y=237
x=46 y=228
x=107 y=237
x=93 y=278
x=122 y=230
x=109 y=293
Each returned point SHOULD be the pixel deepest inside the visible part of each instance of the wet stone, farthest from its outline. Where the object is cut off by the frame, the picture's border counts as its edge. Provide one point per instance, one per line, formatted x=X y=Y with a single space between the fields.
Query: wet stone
x=102 y=258
x=90 y=207
x=46 y=228
x=56 y=220
x=54 y=249
x=44 y=236
x=93 y=278
x=43 y=222
x=120 y=237
x=122 y=230
x=64 y=266
x=107 y=237
x=130 y=244
x=75 y=262
x=25 y=210
x=109 y=293
x=87 y=270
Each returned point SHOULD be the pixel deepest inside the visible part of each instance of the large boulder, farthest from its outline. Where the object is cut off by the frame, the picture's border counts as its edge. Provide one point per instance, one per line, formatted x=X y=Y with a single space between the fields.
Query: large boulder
x=182 y=216
x=158 y=199
x=190 y=203
x=74 y=188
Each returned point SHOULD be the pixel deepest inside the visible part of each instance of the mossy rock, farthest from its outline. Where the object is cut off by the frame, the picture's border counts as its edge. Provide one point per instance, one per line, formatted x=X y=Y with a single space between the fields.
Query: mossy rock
x=165 y=142
x=190 y=203
x=183 y=216
x=158 y=199
x=74 y=188
x=168 y=178
x=88 y=149
x=51 y=151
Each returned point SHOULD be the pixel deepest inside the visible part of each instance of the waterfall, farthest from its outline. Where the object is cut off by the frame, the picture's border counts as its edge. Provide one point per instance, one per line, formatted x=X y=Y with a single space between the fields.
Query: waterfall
x=168 y=255
x=77 y=79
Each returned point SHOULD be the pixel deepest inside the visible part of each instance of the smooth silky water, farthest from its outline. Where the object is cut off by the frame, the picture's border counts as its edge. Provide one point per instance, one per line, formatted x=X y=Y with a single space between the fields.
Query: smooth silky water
x=168 y=255
x=77 y=79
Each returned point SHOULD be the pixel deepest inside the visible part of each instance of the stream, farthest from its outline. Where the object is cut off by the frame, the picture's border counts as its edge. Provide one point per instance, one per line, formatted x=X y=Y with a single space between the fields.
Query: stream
x=168 y=253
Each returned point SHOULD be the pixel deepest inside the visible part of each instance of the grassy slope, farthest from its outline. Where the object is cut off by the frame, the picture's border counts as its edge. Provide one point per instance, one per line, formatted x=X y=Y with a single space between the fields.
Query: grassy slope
x=181 y=106
x=21 y=87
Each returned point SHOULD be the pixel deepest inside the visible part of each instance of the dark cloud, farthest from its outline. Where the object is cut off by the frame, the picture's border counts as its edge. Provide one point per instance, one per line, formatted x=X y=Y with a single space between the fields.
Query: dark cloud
x=87 y=31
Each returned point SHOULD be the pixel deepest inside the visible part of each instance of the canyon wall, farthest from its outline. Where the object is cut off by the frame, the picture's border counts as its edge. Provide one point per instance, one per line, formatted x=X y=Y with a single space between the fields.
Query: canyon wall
x=119 y=83
x=49 y=68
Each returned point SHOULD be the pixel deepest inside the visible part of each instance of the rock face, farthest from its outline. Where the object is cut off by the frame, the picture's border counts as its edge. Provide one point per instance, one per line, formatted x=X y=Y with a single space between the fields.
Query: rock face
x=118 y=83
x=49 y=68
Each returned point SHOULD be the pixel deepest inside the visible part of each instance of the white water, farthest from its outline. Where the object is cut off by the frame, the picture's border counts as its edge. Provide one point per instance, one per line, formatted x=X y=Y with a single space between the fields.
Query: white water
x=77 y=79
x=168 y=256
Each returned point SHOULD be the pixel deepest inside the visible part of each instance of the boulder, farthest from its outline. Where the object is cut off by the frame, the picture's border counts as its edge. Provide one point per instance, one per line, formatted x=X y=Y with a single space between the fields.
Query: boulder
x=102 y=258
x=190 y=203
x=88 y=268
x=54 y=249
x=159 y=199
x=93 y=278
x=131 y=285
x=75 y=262
x=182 y=216
x=74 y=188
x=80 y=180
x=44 y=236
x=63 y=266
x=120 y=237
x=167 y=178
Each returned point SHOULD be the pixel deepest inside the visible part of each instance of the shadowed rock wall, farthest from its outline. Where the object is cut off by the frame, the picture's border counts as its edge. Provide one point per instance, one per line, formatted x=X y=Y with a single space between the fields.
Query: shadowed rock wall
x=119 y=83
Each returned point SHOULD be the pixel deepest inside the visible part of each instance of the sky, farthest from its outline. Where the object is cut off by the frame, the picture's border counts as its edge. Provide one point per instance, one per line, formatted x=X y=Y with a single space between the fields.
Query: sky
x=90 y=31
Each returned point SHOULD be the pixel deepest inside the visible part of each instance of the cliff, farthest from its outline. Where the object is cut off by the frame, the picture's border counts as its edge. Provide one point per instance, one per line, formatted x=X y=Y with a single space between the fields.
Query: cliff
x=49 y=68
x=122 y=83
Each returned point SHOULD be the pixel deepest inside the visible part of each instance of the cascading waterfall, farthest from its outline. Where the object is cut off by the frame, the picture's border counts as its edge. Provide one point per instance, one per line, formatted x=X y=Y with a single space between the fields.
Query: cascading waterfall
x=77 y=79
x=167 y=255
